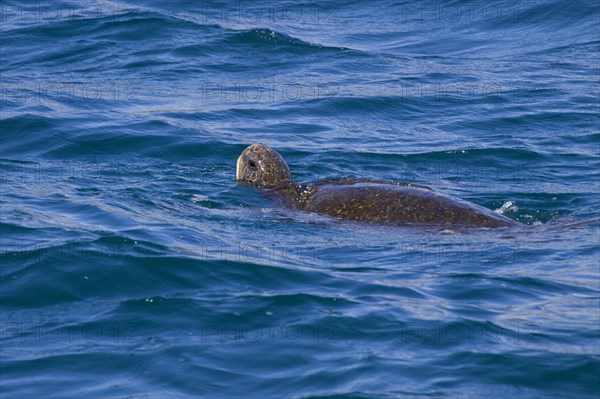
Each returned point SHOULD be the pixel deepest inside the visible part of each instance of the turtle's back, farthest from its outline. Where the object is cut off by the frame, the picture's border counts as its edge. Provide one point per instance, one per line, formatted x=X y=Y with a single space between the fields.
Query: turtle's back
x=390 y=204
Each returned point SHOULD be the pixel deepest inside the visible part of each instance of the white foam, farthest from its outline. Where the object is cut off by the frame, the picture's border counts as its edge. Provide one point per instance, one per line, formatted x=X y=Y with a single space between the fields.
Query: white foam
x=506 y=206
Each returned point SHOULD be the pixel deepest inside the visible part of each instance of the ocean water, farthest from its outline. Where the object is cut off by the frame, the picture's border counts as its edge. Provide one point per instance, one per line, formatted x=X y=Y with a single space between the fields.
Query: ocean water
x=133 y=265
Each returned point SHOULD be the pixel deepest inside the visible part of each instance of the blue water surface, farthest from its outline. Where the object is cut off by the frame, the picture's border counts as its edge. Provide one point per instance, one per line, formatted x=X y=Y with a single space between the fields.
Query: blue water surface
x=133 y=265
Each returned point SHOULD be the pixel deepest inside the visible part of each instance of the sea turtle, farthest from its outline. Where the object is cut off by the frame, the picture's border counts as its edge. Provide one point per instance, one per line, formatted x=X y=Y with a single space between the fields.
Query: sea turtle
x=375 y=201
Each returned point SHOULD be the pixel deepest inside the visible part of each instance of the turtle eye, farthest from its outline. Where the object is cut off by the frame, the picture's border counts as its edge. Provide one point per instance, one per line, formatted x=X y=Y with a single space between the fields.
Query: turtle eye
x=252 y=165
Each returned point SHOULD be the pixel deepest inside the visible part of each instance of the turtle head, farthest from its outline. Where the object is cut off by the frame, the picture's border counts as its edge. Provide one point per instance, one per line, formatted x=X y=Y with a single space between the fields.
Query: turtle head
x=262 y=166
